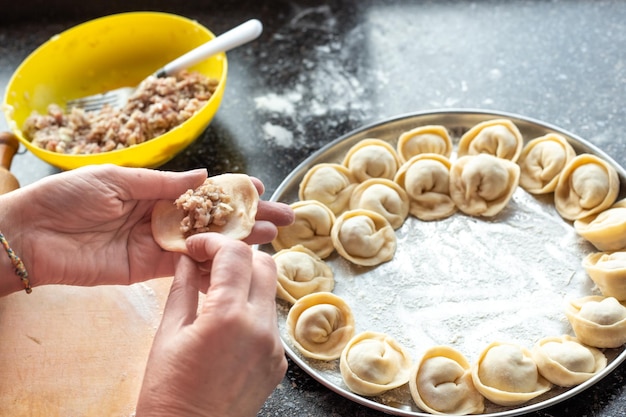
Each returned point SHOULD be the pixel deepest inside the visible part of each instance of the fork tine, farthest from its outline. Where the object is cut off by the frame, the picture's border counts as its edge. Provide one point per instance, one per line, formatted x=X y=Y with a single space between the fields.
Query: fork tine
x=114 y=98
x=93 y=102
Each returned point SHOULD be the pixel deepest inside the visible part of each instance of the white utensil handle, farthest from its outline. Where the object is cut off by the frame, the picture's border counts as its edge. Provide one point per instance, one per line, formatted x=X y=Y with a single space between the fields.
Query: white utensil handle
x=239 y=35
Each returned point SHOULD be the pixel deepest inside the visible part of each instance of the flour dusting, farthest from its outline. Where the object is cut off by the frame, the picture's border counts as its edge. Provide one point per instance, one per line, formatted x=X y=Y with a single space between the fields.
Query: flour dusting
x=280 y=135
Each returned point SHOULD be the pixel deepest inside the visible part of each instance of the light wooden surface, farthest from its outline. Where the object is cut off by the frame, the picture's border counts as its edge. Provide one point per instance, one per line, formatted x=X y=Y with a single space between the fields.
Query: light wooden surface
x=68 y=351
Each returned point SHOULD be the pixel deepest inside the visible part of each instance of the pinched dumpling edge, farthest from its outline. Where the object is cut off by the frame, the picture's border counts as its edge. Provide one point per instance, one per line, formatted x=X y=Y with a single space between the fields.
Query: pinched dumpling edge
x=359 y=174
x=360 y=386
x=339 y=199
x=527 y=180
x=459 y=191
x=324 y=281
x=401 y=200
x=501 y=151
x=556 y=372
x=473 y=402
x=508 y=398
x=416 y=206
x=244 y=199
x=610 y=280
x=563 y=194
x=315 y=299
x=434 y=130
x=595 y=334
x=321 y=244
x=382 y=227
x=605 y=230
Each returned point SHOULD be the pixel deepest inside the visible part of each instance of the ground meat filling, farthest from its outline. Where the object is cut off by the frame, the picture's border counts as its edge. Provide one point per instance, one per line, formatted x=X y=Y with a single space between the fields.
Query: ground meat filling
x=205 y=206
x=157 y=106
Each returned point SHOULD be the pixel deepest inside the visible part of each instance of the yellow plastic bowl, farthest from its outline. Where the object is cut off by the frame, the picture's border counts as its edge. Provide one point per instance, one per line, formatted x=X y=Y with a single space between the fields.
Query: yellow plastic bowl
x=107 y=53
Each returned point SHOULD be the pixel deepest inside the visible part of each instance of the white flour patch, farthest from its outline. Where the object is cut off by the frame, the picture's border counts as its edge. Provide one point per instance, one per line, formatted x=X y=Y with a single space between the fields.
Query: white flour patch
x=284 y=104
x=278 y=134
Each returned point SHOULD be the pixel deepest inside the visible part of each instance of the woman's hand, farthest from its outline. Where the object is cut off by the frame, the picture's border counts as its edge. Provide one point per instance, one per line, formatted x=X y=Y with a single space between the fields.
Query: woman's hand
x=225 y=357
x=92 y=225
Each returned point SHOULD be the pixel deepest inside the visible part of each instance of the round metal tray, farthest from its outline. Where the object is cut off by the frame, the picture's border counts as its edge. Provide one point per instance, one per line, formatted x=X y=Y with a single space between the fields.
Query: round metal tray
x=462 y=281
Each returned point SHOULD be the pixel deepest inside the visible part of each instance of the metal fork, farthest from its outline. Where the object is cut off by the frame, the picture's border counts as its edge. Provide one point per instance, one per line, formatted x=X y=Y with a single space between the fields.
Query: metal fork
x=233 y=38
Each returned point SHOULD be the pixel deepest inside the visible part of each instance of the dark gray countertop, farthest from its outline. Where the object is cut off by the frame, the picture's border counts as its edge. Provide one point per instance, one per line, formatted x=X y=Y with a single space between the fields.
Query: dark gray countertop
x=320 y=71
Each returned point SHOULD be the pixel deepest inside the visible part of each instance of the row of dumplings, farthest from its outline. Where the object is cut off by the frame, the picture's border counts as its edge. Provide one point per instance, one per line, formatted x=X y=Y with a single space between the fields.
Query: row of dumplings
x=423 y=164
x=585 y=191
x=442 y=381
x=418 y=178
x=341 y=206
x=322 y=327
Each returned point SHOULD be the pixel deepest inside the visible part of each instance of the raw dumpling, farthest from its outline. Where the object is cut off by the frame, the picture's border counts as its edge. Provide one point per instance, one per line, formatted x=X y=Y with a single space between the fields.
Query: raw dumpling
x=566 y=362
x=506 y=374
x=364 y=237
x=301 y=272
x=482 y=185
x=372 y=158
x=372 y=363
x=586 y=186
x=384 y=197
x=320 y=325
x=424 y=139
x=598 y=321
x=608 y=271
x=542 y=161
x=311 y=229
x=605 y=230
x=225 y=204
x=498 y=137
x=441 y=383
x=426 y=179
x=330 y=184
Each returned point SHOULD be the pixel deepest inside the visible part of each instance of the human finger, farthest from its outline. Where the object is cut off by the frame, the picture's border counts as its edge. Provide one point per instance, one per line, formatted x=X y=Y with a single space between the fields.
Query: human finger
x=258 y=184
x=203 y=247
x=231 y=276
x=262 y=232
x=151 y=184
x=280 y=214
x=182 y=302
x=230 y=263
x=263 y=285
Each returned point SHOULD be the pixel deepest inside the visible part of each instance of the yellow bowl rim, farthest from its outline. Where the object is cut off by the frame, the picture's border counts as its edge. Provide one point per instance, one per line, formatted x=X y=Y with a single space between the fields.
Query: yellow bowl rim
x=82 y=157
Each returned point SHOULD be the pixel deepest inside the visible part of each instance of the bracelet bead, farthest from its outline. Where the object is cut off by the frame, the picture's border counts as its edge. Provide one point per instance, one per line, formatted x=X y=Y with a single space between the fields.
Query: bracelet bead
x=20 y=269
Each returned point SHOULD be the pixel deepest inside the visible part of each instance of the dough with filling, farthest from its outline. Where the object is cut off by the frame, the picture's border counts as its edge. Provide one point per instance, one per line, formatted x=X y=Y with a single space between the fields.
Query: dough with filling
x=301 y=272
x=243 y=198
x=373 y=362
x=598 y=321
x=587 y=186
x=482 y=185
x=506 y=374
x=320 y=325
x=311 y=229
x=605 y=230
x=441 y=383
x=497 y=137
x=565 y=361
x=364 y=237
x=384 y=197
x=330 y=184
x=424 y=139
x=542 y=160
x=608 y=271
x=426 y=180
x=372 y=158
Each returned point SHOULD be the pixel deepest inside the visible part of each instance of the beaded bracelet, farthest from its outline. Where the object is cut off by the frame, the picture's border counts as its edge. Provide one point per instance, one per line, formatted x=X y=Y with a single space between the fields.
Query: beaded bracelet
x=20 y=269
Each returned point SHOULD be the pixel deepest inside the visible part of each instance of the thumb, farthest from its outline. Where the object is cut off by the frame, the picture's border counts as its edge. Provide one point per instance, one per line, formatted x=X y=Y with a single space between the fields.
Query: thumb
x=182 y=303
